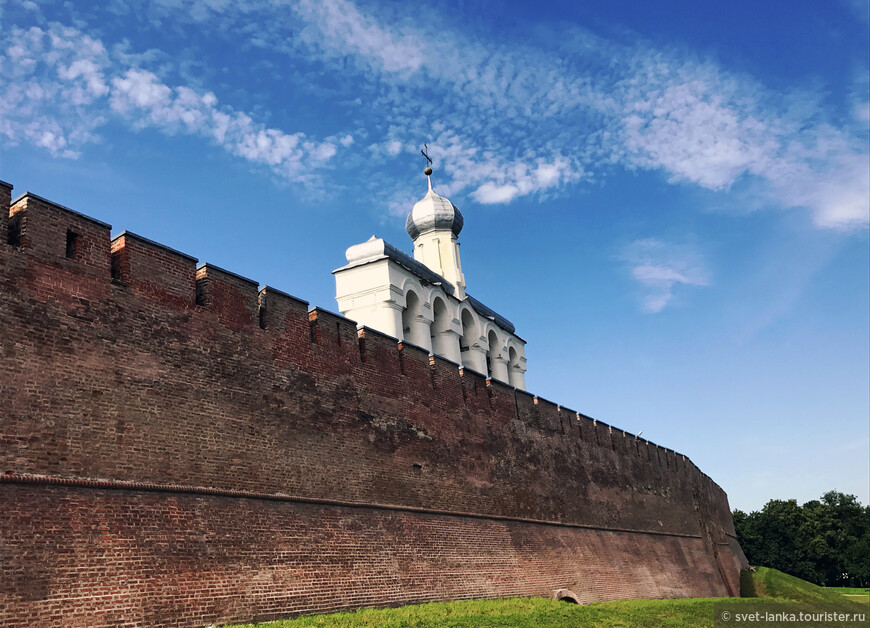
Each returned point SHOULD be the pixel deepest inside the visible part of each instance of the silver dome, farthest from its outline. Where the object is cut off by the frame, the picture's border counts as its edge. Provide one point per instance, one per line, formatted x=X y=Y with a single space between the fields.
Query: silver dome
x=433 y=212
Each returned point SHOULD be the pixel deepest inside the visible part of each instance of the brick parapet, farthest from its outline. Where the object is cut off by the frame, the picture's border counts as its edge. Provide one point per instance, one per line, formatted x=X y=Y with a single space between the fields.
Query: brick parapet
x=154 y=271
x=233 y=298
x=62 y=236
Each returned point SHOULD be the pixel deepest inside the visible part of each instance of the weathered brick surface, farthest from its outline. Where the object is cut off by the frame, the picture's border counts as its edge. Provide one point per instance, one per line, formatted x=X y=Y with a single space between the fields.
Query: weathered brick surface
x=153 y=271
x=145 y=559
x=117 y=365
x=5 y=201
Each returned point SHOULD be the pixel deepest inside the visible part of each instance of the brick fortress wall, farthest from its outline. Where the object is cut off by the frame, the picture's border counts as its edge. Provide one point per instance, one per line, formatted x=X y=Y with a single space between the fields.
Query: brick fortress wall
x=181 y=448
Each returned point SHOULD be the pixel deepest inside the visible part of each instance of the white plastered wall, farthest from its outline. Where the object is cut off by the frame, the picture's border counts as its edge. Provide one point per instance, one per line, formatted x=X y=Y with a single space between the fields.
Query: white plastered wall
x=375 y=295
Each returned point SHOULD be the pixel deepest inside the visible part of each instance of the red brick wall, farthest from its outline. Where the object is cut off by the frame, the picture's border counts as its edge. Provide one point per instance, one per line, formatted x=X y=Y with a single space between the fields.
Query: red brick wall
x=154 y=271
x=117 y=365
x=5 y=201
x=131 y=558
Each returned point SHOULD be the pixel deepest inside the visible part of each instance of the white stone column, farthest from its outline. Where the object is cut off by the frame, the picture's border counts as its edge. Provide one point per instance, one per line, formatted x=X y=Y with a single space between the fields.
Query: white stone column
x=500 y=369
x=517 y=378
x=387 y=318
x=419 y=334
x=475 y=358
x=446 y=344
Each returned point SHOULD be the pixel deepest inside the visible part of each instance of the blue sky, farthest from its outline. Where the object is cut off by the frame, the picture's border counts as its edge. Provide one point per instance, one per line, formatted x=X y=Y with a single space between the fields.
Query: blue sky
x=669 y=199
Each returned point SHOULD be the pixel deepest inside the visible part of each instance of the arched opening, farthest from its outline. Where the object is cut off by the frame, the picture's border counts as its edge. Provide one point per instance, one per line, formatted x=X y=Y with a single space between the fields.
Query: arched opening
x=443 y=342
x=413 y=326
x=468 y=346
x=513 y=365
x=467 y=338
x=495 y=359
x=565 y=595
x=491 y=354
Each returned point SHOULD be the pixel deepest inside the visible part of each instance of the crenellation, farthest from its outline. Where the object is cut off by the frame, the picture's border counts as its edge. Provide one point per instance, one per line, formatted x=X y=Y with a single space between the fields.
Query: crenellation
x=332 y=328
x=335 y=342
x=233 y=298
x=446 y=379
x=603 y=434
x=661 y=458
x=525 y=409
x=568 y=419
x=415 y=362
x=383 y=360
x=502 y=399
x=61 y=235
x=476 y=394
x=618 y=441
x=154 y=271
x=547 y=415
x=579 y=420
x=282 y=313
x=5 y=202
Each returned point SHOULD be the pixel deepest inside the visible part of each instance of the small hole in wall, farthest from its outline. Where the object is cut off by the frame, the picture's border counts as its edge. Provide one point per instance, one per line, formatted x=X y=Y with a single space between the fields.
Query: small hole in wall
x=13 y=235
x=71 y=241
x=417 y=467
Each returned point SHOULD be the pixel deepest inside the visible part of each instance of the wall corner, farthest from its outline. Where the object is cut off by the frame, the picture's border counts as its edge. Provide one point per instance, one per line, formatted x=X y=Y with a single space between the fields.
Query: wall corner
x=5 y=202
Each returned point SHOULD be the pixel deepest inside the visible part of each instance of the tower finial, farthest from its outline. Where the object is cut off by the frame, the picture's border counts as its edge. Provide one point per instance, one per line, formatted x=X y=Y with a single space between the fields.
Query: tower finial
x=428 y=170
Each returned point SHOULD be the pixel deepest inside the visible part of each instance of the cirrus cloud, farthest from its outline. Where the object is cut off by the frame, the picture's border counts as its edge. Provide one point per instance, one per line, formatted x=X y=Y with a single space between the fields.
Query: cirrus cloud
x=68 y=86
x=663 y=268
x=505 y=118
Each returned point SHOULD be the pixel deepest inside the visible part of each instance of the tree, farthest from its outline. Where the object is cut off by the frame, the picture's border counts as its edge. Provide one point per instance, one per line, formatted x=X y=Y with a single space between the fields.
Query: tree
x=825 y=541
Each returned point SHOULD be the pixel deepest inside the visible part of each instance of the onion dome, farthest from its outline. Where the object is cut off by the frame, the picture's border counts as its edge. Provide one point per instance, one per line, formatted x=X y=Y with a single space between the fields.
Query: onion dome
x=433 y=212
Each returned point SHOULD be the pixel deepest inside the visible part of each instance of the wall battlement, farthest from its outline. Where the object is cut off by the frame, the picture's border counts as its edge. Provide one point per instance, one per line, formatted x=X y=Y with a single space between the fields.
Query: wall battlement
x=130 y=364
x=157 y=272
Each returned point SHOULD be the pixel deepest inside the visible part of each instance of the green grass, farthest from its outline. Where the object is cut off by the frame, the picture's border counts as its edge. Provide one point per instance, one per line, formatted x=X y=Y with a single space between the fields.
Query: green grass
x=518 y=613
x=761 y=586
x=850 y=590
x=771 y=583
x=855 y=594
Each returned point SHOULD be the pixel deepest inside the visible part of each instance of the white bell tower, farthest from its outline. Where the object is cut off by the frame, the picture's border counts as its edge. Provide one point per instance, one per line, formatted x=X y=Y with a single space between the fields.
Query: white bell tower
x=434 y=224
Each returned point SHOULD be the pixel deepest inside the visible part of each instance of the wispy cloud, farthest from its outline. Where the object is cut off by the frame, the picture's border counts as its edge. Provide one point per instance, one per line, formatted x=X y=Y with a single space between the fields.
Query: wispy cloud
x=505 y=119
x=661 y=268
x=633 y=105
x=342 y=27
x=861 y=8
x=702 y=126
x=68 y=86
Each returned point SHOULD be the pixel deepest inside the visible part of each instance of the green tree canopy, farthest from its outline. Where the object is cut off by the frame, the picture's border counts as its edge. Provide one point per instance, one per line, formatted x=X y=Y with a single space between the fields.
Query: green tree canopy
x=825 y=541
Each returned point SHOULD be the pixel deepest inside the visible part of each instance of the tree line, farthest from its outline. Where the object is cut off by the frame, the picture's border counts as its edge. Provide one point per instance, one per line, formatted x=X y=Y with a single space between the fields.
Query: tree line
x=826 y=541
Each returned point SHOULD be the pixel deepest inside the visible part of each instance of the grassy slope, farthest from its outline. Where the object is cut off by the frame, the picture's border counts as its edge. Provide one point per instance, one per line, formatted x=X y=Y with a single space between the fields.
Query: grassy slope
x=764 y=585
x=771 y=583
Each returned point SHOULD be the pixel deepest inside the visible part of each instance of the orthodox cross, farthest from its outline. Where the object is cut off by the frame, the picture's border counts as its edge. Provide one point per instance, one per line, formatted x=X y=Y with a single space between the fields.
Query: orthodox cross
x=428 y=170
